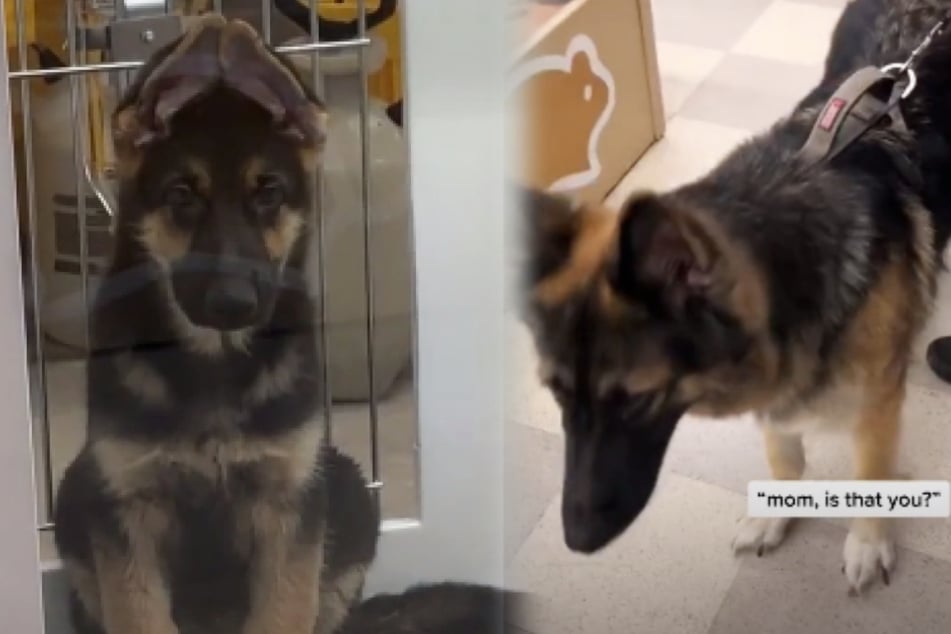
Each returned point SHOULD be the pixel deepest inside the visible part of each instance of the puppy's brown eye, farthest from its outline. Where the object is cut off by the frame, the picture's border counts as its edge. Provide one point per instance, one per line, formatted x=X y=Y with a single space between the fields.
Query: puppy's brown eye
x=269 y=195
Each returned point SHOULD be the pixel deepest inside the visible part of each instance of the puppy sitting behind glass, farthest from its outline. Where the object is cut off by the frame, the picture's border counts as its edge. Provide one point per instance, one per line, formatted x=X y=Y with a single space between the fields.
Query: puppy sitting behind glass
x=204 y=496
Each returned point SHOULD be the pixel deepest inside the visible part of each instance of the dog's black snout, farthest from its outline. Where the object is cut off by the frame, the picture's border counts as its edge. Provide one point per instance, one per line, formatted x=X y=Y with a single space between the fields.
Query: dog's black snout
x=232 y=302
x=587 y=523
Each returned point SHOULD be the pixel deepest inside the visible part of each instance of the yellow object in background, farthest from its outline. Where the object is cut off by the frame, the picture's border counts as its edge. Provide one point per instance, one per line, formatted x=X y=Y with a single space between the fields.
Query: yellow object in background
x=387 y=83
x=10 y=21
x=45 y=22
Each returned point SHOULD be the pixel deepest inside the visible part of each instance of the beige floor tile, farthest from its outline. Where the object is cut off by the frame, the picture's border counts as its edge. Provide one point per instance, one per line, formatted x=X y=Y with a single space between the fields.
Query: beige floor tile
x=682 y=69
x=726 y=452
x=533 y=460
x=668 y=573
x=709 y=23
x=799 y=589
x=689 y=149
x=791 y=32
x=676 y=93
x=751 y=93
x=687 y=63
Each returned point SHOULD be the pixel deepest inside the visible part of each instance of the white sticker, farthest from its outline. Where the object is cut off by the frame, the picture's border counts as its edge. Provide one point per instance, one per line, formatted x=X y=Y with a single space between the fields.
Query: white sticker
x=849 y=498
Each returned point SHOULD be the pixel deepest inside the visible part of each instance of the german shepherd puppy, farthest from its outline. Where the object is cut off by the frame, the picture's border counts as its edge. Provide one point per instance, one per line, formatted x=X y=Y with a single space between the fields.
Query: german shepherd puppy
x=204 y=500
x=770 y=286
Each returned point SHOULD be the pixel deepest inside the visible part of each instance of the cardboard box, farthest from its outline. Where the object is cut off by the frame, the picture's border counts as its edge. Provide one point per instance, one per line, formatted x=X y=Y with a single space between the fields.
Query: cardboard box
x=588 y=87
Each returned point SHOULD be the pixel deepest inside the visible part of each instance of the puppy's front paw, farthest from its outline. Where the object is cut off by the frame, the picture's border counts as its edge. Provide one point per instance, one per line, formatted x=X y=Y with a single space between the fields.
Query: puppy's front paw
x=867 y=556
x=761 y=534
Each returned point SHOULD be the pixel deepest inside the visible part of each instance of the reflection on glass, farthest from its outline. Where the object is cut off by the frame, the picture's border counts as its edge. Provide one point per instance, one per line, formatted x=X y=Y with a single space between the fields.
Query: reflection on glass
x=224 y=312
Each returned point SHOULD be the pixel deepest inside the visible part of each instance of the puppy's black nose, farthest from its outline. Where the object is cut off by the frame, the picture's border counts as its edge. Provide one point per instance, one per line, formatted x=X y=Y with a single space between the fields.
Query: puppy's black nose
x=231 y=303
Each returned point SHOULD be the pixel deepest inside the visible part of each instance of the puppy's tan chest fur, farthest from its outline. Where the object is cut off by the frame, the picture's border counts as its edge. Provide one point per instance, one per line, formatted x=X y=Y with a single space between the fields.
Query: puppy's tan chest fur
x=280 y=465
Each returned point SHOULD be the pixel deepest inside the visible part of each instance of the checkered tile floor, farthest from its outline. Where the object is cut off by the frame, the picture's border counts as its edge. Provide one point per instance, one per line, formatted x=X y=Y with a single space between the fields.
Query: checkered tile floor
x=729 y=68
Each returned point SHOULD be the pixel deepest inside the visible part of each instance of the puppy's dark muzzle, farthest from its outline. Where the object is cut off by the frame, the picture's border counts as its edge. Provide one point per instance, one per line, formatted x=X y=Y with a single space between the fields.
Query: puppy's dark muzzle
x=225 y=293
x=232 y=303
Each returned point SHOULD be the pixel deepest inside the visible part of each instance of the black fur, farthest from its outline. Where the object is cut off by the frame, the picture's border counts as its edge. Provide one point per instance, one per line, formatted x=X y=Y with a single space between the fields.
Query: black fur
x=447 y=608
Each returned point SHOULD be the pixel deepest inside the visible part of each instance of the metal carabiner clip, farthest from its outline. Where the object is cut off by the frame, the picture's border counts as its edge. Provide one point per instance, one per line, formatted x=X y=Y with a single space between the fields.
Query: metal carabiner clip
x=901 y=69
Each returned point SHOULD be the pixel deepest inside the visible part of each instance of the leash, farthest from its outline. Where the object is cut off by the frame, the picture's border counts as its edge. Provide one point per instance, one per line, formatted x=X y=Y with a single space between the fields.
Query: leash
x=865 y=99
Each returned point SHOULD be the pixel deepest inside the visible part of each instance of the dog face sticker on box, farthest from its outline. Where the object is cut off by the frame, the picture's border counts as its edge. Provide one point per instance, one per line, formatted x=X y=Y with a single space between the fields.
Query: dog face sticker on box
x=571 y=97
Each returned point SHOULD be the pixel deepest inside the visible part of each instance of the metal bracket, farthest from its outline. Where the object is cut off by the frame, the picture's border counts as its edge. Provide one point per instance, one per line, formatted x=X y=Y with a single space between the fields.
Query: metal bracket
x=133 y=39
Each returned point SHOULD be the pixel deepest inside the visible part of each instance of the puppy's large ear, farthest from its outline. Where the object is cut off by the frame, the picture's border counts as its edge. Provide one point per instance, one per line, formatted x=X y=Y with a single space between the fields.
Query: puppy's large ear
x=172 y=78
x=253 y=69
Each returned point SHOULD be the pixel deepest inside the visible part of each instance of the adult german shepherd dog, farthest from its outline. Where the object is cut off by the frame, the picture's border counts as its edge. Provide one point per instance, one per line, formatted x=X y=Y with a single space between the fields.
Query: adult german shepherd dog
x=772 y=285
x=204 y=499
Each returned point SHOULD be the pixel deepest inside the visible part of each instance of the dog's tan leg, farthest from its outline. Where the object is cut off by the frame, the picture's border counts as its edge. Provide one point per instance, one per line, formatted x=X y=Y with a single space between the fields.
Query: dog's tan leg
x=869 y=551
x=787 y=461
x=785 y=454
x=285 y=575
x=132 y=589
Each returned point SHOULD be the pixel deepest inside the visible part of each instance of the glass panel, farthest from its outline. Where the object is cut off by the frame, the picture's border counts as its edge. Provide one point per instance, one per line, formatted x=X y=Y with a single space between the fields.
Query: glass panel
x=359 y=269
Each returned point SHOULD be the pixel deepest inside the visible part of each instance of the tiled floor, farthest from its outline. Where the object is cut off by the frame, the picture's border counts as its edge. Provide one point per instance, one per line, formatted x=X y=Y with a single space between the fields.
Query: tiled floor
x=729 y=68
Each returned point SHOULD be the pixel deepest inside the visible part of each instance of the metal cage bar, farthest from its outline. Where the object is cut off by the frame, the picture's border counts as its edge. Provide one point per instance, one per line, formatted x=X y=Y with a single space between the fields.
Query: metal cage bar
x=41 y=424
x=368 y=243
x=114 y=67
x=323 y=334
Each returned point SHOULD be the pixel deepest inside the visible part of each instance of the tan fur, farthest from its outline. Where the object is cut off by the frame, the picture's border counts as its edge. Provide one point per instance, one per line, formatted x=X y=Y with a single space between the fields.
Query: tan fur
x=281 y=238
x=784 y=453
x=336 y=597
x=130 y=467
x=163 y=240
x=133 y=592
x=253 y=171
x=285 y=574
x=200 y=171
x=276 y=381
x=142 y=380
x=924 y=263
x=310 y=157
x=596 y=232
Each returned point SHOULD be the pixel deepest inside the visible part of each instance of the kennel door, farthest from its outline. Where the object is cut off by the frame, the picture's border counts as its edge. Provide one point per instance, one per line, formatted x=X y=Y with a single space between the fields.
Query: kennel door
x=454 y=84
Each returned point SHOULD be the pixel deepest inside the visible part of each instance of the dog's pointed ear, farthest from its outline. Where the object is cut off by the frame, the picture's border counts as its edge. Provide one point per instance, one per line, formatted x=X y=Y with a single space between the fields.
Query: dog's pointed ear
x=173 y=78
x=662 y=251
x=260 y=74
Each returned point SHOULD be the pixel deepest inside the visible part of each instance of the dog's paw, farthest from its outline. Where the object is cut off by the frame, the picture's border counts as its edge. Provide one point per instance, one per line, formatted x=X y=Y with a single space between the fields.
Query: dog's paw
x=760 y=534
x=867 y=558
